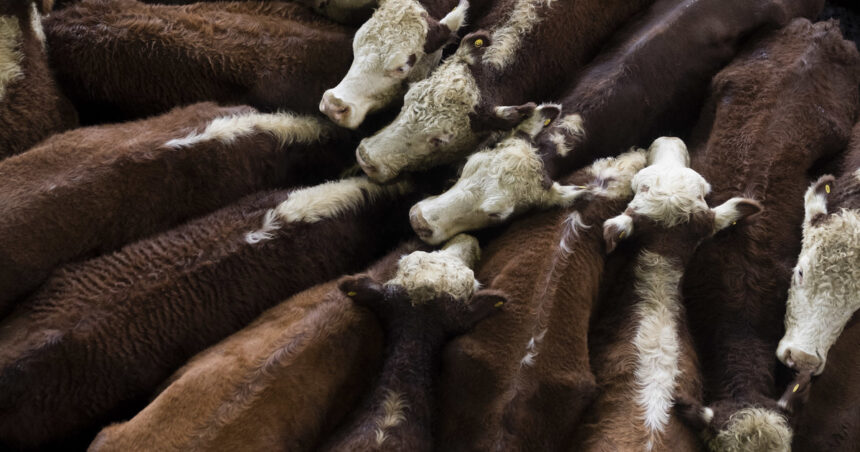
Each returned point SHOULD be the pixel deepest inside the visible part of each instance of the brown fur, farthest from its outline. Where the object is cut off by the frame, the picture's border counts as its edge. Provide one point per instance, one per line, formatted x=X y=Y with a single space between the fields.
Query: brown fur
x=32 y=107
x=846 y=188
x=98 y=337
x=490 y=402
x=789 y=99
x=125 y=59
x=93 y=190
x=652 y=78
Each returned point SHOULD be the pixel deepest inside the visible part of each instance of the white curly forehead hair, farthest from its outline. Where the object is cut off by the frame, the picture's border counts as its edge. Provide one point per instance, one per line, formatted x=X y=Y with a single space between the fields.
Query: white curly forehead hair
x=426 y=276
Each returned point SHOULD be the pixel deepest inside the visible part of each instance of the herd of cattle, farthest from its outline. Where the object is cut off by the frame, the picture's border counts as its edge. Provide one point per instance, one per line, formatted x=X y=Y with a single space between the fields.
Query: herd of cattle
x=177 y=218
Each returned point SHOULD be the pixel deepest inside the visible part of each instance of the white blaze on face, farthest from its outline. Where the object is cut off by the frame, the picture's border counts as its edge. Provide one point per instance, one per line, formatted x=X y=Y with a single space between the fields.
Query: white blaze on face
x=433 y=127
x=449 y=270
x=11 y=54
x=825 y=290
x=388 y=51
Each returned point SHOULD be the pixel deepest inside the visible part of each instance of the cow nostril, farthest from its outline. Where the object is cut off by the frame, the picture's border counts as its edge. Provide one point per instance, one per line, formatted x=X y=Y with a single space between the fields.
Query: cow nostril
x=799 y=360
x=419 y=224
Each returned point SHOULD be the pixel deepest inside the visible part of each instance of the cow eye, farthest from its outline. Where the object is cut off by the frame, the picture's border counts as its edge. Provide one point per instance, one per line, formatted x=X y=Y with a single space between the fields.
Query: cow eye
x=799 y=276
x=495 y=215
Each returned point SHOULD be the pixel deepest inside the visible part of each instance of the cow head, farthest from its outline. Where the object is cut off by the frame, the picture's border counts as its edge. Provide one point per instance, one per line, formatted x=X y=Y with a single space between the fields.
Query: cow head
x=433 y=127
x=440 y=283
x=508 y=179
x=400 y=43
x=669 y=202
x=826 y=282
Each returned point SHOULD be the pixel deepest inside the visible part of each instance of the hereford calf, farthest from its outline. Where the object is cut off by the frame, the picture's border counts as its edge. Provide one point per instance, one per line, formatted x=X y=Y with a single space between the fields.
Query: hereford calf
x=789 y=99
x=642 y=352
x=93 y=190
x=280 y=384
x=31 y=106
x=531 y=42
x=125 y=59
x=66 y=354
x=430 y=298
x=522 y=378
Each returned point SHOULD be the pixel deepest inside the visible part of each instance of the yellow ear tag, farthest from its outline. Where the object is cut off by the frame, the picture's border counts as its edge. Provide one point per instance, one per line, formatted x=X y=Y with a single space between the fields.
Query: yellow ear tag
x=827 y=188
x=351 y=294
x=479 y=42
x=734 y=223
x=546 y=122
x=796 y=387
x=622 y=234
x=499 y=304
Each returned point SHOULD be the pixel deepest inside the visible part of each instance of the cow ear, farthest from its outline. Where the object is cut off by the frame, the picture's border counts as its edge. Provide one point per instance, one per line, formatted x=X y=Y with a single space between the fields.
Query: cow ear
x=508 y=117
x=734 y=210
x=475 y=44
x=485 y=302
x=815 y=200
x=440 y=32
x=362 y=289
x=617 y=229
x=548 y=113
x=565 y=195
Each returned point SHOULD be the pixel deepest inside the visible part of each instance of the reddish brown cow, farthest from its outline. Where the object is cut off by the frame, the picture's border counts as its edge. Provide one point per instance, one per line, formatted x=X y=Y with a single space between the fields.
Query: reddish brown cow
x=430 y=298
x=280 y=384
x=642 y=353
x=522 y=378
x=90 y=191
x=99 y=336
x=31 y=106
x=789 y=99
x=123 y=58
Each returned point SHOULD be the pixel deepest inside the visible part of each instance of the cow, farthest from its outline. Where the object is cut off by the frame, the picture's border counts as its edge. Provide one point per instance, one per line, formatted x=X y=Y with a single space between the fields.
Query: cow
x=92 y=190
x=445 y=116
x=431 y=297
x=605 y=111
x=31 y=105
x=93 y=342
x=122 y=59
x=522 y=378
x=825 y=285
x=789 y=98
x=401 y=43
x=642 y=352
x=280 y=384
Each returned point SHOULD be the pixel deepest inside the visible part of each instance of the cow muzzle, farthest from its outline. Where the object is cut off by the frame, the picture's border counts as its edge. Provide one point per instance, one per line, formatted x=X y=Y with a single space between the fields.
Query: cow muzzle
x=343 y=113
x=798 y=359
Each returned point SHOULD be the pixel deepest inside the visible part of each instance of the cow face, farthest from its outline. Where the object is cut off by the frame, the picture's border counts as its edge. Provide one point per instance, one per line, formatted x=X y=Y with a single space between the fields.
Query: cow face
x=398 y=44
x=433 y=128
x=825 y=288
x=669 y=194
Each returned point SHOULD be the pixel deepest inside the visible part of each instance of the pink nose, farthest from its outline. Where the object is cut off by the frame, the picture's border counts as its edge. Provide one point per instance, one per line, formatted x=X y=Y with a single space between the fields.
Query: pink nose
x=368 y=168
x=419 y=223
x=799 y=360
x=336 y=109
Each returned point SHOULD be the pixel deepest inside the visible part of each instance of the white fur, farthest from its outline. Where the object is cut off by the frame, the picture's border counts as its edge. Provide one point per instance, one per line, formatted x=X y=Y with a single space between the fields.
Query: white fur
x=426 y=276
x=814 y=204
x=433 y=127
x=270 y=225
x=824 y=299
x=656 y=339
x=569 y=125
x=507 y=38
x=612 y=176
x=572 y=225
x=36 y=23
x=393 y=414
x=334 y=198
x=753 y=430
x=11 y=55
x=727 y=213
x=287 y=128
x=532 y=349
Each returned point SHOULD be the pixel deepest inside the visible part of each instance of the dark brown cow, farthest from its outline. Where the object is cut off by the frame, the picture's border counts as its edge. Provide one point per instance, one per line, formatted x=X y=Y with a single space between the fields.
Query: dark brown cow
x=31 y=106
x=280 y=384
x=430 y=298
x=789 y=99
x=92 y=190
x=534 y=48
x=522 y=378
x=642 y=353
x=99 y=336
x=123 y=59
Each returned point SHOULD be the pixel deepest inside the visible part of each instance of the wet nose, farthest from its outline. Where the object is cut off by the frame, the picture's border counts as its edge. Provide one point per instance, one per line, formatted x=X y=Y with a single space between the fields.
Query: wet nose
x=799 y=360
x=419 y=223
x=335 y=108
x=361 y=157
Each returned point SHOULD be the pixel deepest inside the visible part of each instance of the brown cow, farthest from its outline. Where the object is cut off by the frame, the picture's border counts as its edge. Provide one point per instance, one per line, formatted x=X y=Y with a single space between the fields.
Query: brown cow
x=624 y=97
x=534 y=47
x=641 y=351
x=67 y=353
x=279 y=384
x=125 y=59
x=31 y=106
x=522 y=378
x=789 y=99
x=92 y=190
x=430 y=298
